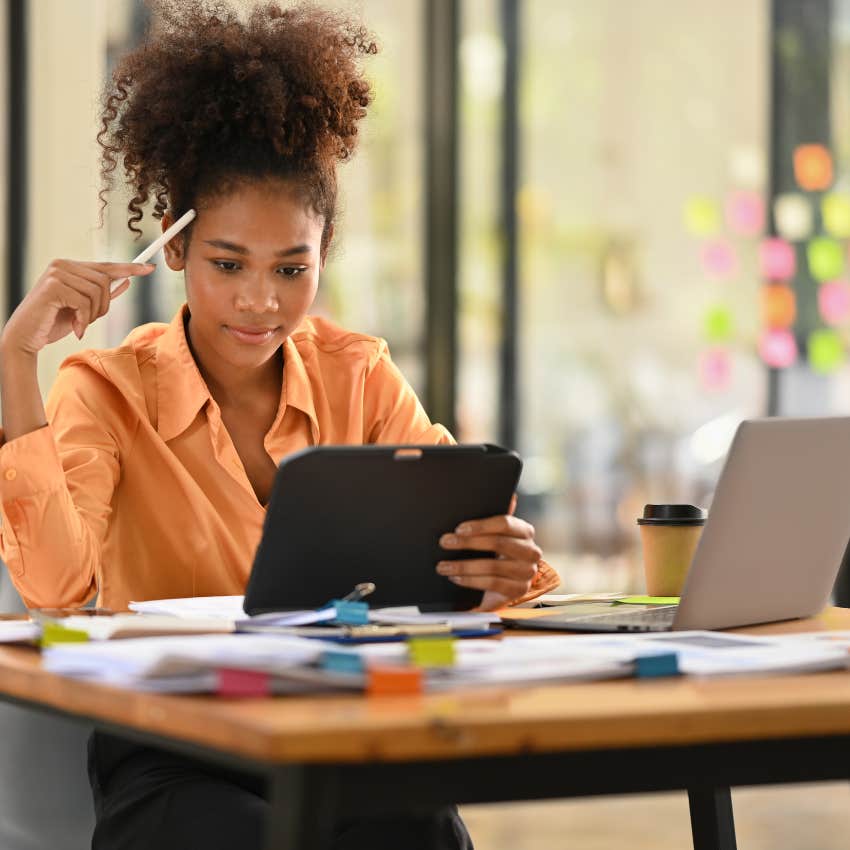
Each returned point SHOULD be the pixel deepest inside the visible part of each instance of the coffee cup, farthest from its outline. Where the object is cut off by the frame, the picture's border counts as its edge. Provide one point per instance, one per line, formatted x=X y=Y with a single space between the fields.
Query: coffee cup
x=669 y=534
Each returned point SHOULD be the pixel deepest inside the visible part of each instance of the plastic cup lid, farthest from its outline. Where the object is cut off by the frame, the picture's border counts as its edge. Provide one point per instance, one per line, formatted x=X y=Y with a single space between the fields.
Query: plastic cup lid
x=672 y=515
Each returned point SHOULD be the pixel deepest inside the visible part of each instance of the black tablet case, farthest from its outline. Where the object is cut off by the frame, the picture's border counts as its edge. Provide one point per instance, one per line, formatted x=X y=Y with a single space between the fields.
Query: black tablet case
x=340 y=515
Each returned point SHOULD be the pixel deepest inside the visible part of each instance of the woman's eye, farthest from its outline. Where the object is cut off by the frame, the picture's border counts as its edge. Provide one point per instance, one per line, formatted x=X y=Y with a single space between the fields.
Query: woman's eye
x=226 y=265
x=291 y=271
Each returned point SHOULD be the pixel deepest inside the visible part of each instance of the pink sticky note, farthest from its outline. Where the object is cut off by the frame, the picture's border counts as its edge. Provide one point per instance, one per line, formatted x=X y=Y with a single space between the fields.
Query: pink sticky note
x=777 y=259
x=778 y=348
x=233 y=682
x=719 y=259
x=834 y=301
x=745 y=213
x=715 y=369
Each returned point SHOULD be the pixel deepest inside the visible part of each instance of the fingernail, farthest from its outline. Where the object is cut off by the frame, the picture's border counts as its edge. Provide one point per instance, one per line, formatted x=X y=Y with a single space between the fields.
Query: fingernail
x=456 y=579
x=464 y=528
x=446 y=568
x=448 y=539
x=150 y=265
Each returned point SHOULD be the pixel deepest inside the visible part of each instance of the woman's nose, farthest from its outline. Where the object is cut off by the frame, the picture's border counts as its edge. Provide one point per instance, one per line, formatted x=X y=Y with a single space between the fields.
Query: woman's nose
x=256 y=294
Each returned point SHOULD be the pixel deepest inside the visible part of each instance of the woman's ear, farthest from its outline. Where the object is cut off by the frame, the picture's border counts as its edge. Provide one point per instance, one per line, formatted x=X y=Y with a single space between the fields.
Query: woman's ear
x=174 y=250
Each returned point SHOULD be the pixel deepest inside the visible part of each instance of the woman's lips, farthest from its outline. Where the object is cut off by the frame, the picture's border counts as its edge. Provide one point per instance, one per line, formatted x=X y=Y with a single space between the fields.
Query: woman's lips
x=251 y=336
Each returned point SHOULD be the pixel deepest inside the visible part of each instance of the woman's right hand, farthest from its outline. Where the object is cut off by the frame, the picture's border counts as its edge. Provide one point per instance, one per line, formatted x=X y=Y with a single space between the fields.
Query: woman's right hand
x=69 y=296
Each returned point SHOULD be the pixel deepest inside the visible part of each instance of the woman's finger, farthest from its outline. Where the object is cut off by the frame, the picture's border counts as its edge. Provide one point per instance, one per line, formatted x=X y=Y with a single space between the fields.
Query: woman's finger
x=87 y=289
x=506 y=587
x=515 y=570
x=517 y=548
x=120 y=289
x=503 y=524
x=80 y=304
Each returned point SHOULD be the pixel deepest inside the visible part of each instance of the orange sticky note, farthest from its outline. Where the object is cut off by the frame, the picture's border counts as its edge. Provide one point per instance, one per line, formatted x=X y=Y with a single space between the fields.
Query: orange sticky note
x=779 y=305
x=386 y=679
x=813 y=167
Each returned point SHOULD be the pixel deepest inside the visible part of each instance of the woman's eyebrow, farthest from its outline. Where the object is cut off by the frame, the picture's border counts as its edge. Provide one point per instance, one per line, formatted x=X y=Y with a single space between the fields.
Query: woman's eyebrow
x=241 y=249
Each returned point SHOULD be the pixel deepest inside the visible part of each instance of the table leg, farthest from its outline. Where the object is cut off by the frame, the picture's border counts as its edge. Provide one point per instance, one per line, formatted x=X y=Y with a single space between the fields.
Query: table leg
x=712 y=821
x=302 y=811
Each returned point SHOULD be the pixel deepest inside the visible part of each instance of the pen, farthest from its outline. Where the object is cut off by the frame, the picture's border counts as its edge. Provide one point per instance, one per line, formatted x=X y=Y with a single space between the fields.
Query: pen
x=158 y=243
x=360 y=591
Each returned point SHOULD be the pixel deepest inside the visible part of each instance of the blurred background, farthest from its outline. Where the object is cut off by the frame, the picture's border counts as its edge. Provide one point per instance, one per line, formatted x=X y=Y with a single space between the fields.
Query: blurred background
x=601 y=232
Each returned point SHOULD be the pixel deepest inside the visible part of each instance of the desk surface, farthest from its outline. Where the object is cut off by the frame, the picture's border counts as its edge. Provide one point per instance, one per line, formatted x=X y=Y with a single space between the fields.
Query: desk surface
x=504 y=721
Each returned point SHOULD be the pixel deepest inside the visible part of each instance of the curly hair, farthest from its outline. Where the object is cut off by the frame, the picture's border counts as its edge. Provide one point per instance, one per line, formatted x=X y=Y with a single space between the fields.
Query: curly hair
x=208 y=100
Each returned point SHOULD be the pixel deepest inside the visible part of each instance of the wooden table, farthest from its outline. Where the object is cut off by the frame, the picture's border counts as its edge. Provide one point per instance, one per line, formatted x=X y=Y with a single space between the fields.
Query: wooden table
x=336 y=755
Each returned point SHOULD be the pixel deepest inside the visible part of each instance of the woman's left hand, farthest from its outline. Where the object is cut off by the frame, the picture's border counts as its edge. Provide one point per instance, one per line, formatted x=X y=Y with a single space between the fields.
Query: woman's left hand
x=507 y=576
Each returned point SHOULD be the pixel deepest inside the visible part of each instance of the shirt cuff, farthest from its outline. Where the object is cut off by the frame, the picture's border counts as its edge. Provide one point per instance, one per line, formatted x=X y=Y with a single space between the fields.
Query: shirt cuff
x=29 y=464
x=545 y=580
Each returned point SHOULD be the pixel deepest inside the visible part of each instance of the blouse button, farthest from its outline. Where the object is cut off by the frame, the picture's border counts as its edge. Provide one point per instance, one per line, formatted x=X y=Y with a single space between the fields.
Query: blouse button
x=11 y=474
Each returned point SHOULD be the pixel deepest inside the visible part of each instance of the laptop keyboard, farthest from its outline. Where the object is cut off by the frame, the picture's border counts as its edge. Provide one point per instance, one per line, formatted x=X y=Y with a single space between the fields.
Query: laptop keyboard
x=659 y=618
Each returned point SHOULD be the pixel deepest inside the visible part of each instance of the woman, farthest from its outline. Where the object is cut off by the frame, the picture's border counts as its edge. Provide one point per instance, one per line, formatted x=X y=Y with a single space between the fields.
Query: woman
x=148 y=474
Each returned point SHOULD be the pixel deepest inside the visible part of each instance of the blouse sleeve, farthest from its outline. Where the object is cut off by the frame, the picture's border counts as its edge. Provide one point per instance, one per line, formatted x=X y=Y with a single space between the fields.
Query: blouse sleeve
x=56 y=486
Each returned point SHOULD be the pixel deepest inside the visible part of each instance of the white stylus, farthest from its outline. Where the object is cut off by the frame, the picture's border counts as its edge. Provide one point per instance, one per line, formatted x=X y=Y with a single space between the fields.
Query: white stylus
x=167 y=235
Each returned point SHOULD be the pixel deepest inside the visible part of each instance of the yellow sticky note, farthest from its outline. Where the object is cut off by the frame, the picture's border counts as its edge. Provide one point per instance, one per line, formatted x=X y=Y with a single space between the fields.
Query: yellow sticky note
x=702 y=215
x=53 y=633
x=650 y=600
x=432 y=652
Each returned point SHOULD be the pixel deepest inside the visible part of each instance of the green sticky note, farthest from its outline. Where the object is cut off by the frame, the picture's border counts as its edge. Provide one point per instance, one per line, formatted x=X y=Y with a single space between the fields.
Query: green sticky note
x=836 y=215
x=650 y=600
x=826 y=259
x=719 y=324
x=826 y=351
x=702 y=215
x=432 y=652
x=53 y=633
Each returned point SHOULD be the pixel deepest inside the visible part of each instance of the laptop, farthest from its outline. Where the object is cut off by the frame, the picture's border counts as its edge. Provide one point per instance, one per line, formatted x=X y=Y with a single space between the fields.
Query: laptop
x=772 y=544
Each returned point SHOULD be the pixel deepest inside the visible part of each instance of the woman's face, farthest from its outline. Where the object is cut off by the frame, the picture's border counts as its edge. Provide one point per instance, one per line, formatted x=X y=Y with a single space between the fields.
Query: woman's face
x=252 y=271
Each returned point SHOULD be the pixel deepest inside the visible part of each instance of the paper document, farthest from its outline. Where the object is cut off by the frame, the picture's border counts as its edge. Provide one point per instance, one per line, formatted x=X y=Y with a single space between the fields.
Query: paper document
x=19 y=631
x=219 y=607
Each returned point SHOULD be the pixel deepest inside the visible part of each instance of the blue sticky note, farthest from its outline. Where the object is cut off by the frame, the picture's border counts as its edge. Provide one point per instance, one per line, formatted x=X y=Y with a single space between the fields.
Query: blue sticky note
x=653 y=666
x=350 y=613
x=342 y=662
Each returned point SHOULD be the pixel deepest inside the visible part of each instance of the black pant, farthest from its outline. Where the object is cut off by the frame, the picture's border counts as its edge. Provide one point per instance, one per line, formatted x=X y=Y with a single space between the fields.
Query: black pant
x=146 y=798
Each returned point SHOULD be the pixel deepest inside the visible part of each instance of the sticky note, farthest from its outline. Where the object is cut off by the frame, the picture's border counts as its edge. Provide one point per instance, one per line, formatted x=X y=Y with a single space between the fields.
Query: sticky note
x=386 y=680
x=233 y=682
x=350 y=613
x=794 y=216
x=834 y=301
x=53 y=633
x=745 y=213
x=747 y=166
x=432 y=651
x=826 y=259
x=715 y=369
x=649 y=600
x=702 y=215
x=777 y=259
x=778 y=348
x=826 y=351
x=654 y=666
x=342 y=662
x=835 y=210
x=778 y=305
x=719 y=259
x=813 y=167
x=718 y=323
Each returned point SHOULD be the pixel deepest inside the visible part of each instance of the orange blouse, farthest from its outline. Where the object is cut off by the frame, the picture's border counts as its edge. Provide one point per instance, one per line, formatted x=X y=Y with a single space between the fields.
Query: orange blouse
x=134 y=490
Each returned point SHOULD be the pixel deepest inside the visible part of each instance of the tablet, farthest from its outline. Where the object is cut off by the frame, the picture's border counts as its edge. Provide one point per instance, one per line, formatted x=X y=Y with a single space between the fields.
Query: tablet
x=341 y=515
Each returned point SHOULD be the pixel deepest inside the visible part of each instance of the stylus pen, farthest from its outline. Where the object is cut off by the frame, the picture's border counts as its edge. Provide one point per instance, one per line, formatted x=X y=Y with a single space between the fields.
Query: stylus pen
x=158 y=243
x=360 y=591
